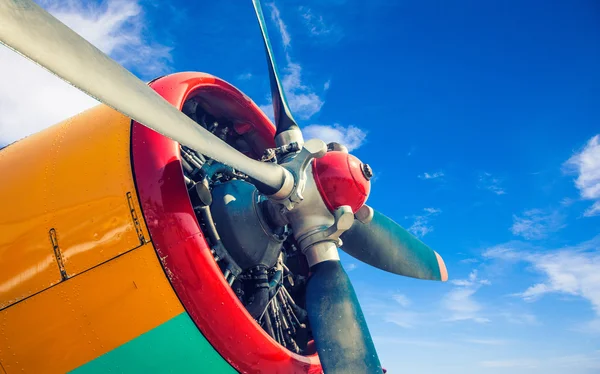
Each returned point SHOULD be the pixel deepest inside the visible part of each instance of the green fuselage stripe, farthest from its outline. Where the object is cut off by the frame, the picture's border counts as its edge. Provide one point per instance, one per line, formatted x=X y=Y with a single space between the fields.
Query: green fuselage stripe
x=176 y=346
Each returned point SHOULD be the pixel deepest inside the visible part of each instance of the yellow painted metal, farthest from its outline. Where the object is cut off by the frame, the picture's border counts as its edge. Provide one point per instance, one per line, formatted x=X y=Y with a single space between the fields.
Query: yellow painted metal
x=84 y=317
x=67 y=199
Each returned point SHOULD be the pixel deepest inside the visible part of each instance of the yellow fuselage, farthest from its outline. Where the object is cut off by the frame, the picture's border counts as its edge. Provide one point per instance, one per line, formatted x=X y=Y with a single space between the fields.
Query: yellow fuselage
x=68 y=204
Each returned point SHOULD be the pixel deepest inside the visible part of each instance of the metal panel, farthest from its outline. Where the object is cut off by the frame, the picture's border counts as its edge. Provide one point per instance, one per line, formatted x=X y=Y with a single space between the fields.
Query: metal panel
x=68 y=202
x=88 y=315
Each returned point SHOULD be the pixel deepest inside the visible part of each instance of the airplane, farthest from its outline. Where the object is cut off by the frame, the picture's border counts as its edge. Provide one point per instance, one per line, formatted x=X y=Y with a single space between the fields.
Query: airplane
x=175 y=228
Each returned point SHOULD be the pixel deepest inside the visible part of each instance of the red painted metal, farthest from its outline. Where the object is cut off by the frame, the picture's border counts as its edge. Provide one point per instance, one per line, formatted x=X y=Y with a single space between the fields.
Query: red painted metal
x=340 y=180
x=179 y=241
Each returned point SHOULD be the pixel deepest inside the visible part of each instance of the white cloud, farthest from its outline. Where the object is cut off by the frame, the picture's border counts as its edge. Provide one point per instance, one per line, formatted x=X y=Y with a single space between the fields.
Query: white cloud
x=268 y=110
x=351 y=266
x=315 y=24
x=31 y=98
x=586 y=164
x=403 y=319
x=461 y=304
x=481 y=341
x=401 y=299
x=516 y=363
x=567 y=201
x=537 y=223
x=491 y=183
x=394 y=307
x=421 y=225
x=244 y=76
x=303 y=101
x=520 y=318
x=317 y=27
x=276 y=17
x=471 y=281
x=594 y=210
x=568 y=362
x=352 y=137
x=571 y=271
x=437 y=174
x=582 y=360
x=117 y=28
x=393 y=340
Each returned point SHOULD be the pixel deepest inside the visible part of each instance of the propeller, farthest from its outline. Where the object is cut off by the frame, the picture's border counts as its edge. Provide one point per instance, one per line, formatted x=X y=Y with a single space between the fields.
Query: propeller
x=337 y=322
x=398 y=251
x=339 y=328
x=287 y=129
x=32 y=32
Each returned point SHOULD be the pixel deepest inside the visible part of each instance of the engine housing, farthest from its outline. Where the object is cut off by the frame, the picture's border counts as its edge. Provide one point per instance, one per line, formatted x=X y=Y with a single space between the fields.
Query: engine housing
x=238 y=212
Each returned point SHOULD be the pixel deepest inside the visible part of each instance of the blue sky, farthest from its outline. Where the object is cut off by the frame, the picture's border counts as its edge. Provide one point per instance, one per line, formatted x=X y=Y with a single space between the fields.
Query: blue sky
x=480 y=120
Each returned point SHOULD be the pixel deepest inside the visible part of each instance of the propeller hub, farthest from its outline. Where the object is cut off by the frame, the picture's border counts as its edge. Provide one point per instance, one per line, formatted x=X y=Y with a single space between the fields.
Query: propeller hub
x=342 y=180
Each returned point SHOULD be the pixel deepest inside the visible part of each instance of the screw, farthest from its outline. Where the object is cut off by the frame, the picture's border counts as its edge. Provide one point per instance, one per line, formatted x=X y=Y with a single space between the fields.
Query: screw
x=367 y=171
x=333 y=146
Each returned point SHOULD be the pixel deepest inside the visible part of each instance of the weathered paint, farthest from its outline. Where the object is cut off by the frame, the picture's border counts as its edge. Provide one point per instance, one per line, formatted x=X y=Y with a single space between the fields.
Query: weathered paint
x=176 y=346
x=67 y=196
x=88 y=315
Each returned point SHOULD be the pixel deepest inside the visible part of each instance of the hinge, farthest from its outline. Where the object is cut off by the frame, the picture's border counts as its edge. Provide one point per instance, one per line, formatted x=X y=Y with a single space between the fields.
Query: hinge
x=58 y=254
x=134 y=217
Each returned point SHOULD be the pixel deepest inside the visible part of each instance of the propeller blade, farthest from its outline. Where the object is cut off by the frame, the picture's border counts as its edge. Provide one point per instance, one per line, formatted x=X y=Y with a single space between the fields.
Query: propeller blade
x=341 y=335
x=386 y=245
x=32 y=32
x=283 y=116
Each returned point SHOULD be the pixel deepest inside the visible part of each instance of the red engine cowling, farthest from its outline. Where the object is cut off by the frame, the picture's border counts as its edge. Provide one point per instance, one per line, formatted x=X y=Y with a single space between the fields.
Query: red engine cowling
x=179 y=240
